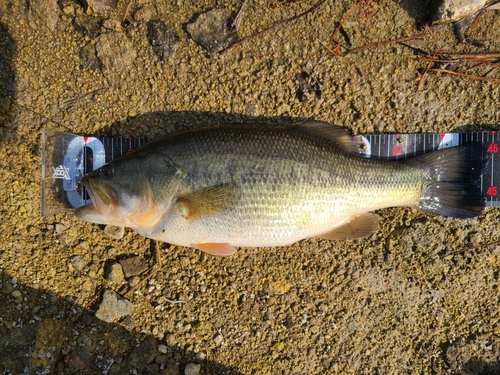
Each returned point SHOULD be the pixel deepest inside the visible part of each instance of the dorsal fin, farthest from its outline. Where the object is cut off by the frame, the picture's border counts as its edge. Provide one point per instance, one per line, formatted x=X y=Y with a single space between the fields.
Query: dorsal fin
x=340 y=136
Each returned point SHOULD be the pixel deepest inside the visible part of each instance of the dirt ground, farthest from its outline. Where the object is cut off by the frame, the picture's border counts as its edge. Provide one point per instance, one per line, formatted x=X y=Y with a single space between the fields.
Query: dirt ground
x=419 y=296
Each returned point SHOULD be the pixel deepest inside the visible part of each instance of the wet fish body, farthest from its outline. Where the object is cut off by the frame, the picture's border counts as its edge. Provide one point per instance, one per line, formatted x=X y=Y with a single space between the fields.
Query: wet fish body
x=220 y=187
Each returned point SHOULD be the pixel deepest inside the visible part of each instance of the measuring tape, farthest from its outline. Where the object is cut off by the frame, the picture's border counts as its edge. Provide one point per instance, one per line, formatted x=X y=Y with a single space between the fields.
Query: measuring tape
x=66 y=157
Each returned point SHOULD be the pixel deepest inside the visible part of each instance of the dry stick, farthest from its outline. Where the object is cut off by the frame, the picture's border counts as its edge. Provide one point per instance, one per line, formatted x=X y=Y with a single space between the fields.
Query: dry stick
x=329 y=50
x=429 y=64
x=237 y=20
x=127 y=11
x=451 y=72
x=310 y=10
x=383 y=43
x=480 y=246
x=472 y=56
x=348 y=14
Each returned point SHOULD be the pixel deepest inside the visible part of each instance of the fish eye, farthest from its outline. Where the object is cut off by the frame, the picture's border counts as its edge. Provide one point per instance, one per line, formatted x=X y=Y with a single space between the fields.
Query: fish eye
x=106 y=171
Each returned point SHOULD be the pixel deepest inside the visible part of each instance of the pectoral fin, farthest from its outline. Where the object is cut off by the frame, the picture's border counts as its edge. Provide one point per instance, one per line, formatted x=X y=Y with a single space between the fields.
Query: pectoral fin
x=358 y=227
x=219 y=249
x=209 y=201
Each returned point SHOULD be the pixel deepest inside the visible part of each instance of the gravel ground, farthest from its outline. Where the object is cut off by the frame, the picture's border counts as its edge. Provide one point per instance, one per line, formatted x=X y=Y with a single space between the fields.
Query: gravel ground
x=412 y=298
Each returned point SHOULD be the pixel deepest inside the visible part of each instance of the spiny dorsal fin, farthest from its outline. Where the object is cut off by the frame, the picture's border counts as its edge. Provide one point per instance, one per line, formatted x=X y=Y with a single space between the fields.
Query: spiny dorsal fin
x=210 y=201
x=358 y=227
x=338 y=135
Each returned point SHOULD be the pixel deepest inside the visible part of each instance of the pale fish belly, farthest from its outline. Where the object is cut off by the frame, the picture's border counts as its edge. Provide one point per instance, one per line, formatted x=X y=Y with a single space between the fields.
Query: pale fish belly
x=280 y=222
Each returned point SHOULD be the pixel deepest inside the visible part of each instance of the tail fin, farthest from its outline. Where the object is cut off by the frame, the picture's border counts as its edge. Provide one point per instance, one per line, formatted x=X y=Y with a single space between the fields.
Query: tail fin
x=451 y=181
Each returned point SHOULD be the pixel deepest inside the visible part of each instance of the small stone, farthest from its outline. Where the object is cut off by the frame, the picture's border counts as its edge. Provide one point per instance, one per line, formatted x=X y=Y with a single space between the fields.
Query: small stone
x=78 y=261
x=87 y=25
x=114 y=273
x=115 y=232
x=171 y=368
x=43 y=13
x=103 y=362
x=102 y=7
x=133 y=266
x=143 y=14
x=171 y=340
x=60 y=228
x=200 y=356
x=134 y=280
x=162 y=348
x=163 y=40
x=218 y=339
x=192 y=369
x=113 y=306
x=211 y=31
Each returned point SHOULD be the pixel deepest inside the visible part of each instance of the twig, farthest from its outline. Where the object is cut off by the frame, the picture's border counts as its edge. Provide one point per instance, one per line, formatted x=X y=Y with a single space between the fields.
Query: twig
x=127 y=11
x=480 y=246
x=237 y=20
x=335 y=51
x=472 y=56
x=172 y=301
x=385 y=42
x=429 y=64
x=451 y=72
x=310 y=10
x=348 y=14
x=95 y=297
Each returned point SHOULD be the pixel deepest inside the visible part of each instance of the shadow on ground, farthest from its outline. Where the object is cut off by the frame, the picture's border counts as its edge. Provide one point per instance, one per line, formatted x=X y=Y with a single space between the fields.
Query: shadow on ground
x=43 y=333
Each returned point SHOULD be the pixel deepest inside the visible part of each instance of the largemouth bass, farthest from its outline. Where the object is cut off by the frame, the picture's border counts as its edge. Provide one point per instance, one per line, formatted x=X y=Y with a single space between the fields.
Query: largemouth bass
x=221 y=187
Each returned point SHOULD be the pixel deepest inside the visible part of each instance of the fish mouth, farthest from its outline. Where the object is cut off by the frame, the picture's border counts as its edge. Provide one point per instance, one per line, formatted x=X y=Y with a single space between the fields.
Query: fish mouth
x=102 y=198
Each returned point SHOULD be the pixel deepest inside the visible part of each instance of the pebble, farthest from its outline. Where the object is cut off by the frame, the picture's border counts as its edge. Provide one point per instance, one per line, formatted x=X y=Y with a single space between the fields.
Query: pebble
x=171 y=368
x=43 y=14
x=133 y=266
x=211 y=31
x=87 y=25
x=113 y=306
x=103 y=362
x=162 y=348
x=192 y=369
x=200 y=356
x=218 y=339
x=114 y=273
x=143 y=14
x=60 y=228
x=115 y=232
x=78 y=261
x=163 y=40
x=18 y=297
x=102 y=7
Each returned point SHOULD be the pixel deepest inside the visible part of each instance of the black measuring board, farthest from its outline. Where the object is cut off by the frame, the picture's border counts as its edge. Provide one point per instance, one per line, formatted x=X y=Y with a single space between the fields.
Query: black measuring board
x=66 y=157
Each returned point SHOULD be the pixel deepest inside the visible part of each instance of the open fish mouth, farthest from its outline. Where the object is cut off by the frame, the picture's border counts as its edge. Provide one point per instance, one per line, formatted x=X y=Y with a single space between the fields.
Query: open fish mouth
x=102 y=198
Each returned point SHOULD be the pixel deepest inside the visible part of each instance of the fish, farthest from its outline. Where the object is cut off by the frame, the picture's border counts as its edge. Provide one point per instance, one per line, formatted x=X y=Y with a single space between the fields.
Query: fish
x=222 y=187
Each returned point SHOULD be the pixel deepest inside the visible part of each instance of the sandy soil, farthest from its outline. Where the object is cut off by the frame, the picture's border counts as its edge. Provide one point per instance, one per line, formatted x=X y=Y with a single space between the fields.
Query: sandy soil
x=412 y=298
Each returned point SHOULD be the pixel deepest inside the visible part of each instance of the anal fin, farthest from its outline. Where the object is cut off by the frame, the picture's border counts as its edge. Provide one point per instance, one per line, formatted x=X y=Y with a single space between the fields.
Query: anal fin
x=358 y=227
x=218 y=249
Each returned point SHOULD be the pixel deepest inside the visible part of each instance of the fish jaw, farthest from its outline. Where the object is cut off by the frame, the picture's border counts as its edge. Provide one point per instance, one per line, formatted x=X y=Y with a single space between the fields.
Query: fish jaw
x=102 y=210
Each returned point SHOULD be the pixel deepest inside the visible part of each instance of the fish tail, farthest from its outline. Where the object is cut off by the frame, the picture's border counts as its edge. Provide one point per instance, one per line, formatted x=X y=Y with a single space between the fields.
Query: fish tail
x=451 y=181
